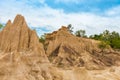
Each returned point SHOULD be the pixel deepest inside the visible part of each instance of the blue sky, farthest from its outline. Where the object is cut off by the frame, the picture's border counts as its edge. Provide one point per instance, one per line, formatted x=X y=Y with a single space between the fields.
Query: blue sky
x=48 y=15
x=83 y=5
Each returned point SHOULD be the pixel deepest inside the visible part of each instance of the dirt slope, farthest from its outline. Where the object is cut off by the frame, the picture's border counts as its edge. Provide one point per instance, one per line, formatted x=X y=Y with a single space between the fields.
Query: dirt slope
x=66 y=50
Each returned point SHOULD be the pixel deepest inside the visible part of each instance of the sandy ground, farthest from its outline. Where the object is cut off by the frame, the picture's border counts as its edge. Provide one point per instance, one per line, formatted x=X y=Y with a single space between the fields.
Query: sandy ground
x=112 y=73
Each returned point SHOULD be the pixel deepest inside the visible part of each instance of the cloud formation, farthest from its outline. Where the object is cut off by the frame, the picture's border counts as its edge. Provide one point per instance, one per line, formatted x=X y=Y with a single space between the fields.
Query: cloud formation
x=39 y=14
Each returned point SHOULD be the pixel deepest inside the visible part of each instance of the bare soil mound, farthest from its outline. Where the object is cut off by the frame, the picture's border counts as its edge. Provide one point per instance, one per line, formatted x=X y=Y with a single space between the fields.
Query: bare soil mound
x=66 y=50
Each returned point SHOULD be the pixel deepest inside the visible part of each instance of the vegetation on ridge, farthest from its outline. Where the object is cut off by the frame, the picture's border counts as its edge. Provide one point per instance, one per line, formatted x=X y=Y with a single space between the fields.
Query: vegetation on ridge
x=107 y=38
x=110 y=38
x=81 y=33
x=42 y=39
x=1 y=26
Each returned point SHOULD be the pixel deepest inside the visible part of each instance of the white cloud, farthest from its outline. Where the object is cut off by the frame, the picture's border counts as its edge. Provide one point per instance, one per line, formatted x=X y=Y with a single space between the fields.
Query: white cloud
x=114 y=11
x=53 y=19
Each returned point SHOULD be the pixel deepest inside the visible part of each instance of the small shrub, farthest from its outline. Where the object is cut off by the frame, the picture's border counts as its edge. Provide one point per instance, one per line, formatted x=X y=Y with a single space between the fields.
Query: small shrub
x=103 y=45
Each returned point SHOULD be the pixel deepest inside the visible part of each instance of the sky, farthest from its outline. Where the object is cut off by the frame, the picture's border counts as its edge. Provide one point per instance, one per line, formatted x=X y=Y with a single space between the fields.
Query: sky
x=45 y=16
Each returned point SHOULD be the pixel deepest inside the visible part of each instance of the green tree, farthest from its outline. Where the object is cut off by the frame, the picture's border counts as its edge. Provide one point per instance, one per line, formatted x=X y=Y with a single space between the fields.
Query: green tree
x=1 y=26
x=70 y=28
x=111 y=38
x=42 y=39
x=114 y=35
x=96 y=37
x=115 y=40
x=106 y=35
x=80 y=33
x=115 y=43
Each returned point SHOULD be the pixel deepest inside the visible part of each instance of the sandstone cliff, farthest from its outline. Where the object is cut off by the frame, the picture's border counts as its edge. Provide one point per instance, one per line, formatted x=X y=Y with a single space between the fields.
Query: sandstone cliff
x=17 y=36
x=22 y=57
x=66 y=50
